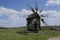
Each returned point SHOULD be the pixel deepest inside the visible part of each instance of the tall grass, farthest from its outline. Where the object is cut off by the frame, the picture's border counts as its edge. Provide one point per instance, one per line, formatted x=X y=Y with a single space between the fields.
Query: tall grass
x=18 y=34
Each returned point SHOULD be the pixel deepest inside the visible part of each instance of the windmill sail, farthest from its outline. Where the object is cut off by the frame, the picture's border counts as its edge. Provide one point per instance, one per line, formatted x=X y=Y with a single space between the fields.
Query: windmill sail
x=42 y=16
x=36 y=8
x=41 y=11
x=43 y=21
x=32 y=9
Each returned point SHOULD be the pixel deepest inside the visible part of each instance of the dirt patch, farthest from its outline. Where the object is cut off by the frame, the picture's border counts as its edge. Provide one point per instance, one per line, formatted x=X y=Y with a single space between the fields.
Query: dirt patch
x=54 y=38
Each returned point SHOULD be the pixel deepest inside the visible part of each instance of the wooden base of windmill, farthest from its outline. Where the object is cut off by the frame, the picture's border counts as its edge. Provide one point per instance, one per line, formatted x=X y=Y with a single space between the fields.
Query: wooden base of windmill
x=31 y=31
x=32 y=28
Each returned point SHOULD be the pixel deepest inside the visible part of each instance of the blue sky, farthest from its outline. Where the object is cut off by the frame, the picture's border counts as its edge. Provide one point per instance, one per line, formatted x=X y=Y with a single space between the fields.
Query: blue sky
x=13 y=12
x=21 y=4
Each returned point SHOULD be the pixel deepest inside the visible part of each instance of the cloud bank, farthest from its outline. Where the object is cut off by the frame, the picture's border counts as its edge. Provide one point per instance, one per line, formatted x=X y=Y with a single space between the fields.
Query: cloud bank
x=13 y=18
x=53 y=2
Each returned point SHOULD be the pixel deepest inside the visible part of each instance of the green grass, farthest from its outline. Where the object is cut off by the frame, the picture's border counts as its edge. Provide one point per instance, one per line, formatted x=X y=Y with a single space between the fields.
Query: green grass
x=17 y=34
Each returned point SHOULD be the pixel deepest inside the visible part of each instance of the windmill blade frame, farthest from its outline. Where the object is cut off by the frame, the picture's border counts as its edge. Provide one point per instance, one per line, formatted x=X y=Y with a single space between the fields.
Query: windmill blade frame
x=36 y=6
x=32 y=9
x=44 y=22
x=40 y=10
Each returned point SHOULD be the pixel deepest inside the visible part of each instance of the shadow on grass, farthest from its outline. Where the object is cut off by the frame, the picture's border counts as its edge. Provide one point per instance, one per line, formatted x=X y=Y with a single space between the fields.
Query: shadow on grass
x=22 y=32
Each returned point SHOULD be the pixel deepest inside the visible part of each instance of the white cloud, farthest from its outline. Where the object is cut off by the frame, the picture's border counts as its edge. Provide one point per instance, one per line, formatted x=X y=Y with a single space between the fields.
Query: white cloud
x=53 y=17
x=52 y=2
x=26 y=12
x=14 y=17
x=2 y=21
x=7 y=11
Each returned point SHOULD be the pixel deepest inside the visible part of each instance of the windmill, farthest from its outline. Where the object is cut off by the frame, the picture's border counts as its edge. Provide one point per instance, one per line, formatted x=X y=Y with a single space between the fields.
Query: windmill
x=34 y=20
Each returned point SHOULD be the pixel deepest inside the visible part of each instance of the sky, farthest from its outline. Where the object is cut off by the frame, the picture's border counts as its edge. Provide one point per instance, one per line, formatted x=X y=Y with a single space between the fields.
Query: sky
x=13 y=13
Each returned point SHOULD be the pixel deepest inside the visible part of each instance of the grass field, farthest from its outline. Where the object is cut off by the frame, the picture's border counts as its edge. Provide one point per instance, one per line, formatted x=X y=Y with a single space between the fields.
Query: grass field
x=17 y=34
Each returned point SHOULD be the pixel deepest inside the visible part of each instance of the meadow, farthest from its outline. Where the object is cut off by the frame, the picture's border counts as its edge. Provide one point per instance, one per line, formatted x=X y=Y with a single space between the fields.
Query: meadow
x=18 y=34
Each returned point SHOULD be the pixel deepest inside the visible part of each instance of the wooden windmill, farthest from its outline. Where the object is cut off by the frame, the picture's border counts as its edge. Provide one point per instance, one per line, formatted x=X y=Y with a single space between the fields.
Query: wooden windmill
x=34 y=20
